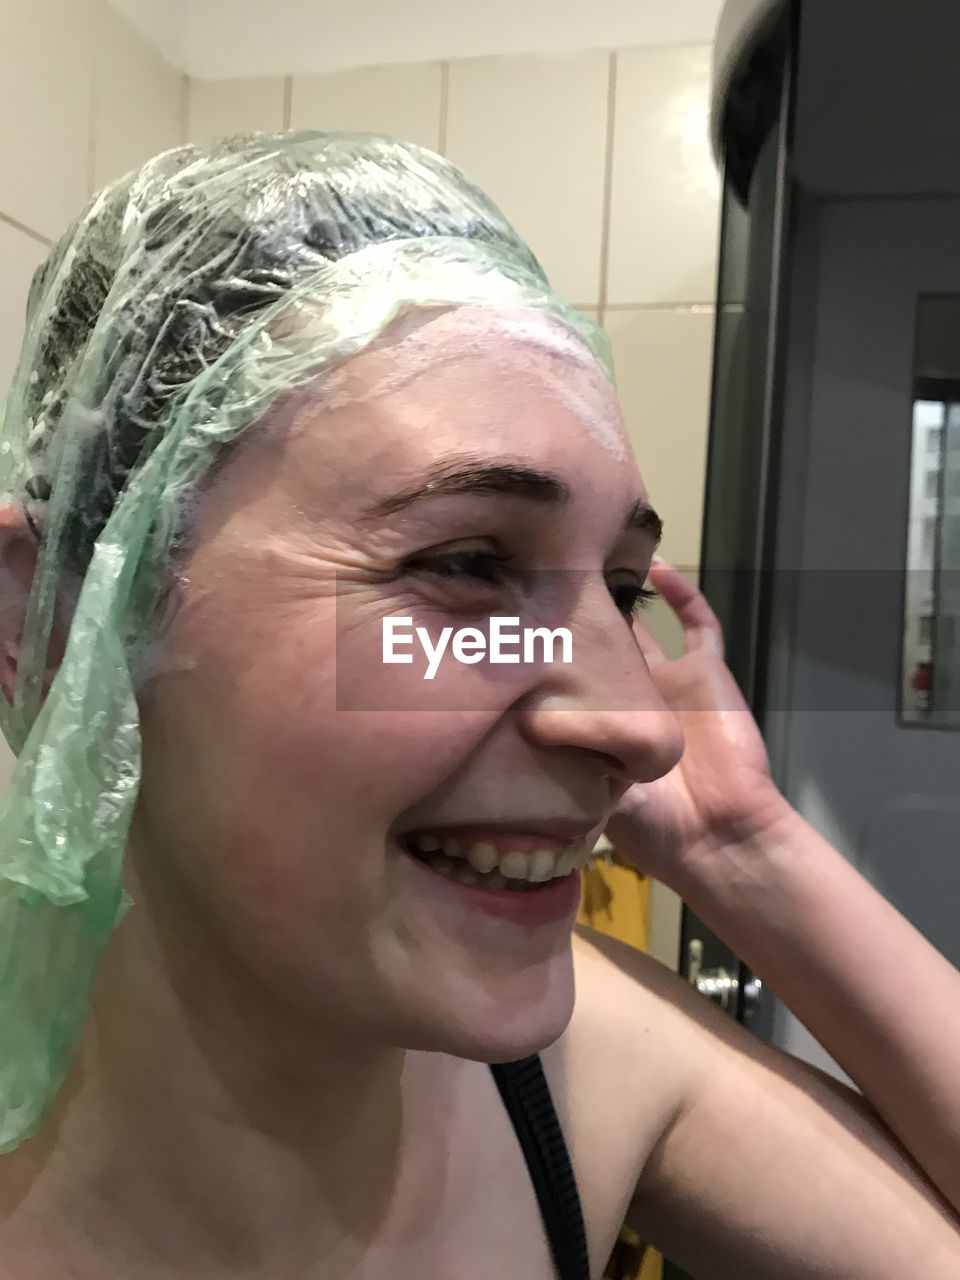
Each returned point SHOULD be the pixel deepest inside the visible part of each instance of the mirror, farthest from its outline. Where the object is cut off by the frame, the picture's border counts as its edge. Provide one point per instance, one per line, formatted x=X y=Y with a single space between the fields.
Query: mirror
x=930 y=683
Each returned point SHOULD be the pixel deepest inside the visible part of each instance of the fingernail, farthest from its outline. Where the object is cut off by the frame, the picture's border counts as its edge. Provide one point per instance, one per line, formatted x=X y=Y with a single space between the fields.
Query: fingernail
x=658 y=560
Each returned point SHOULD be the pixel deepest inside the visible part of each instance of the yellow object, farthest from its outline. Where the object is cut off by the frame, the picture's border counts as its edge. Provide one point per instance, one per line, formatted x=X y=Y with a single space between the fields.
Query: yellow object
x=615 y=900
x=652 y=1268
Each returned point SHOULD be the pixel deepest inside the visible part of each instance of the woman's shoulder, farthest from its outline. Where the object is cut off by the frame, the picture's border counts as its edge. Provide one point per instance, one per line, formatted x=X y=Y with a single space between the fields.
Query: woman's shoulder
x=621 y=1071
x=634 y=1018
x=627 y=998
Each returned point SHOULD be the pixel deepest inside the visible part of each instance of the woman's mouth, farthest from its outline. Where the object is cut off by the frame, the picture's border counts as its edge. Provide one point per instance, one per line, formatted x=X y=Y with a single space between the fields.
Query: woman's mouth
x=514 y=862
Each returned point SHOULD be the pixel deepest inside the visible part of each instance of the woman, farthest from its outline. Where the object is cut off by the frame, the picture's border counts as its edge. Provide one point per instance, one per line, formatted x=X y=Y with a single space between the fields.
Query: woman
x=278 y=398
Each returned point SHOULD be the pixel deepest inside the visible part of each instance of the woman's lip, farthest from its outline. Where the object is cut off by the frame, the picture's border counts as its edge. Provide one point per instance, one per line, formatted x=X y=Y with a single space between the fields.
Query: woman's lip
x=551 y=902
x=528 y=835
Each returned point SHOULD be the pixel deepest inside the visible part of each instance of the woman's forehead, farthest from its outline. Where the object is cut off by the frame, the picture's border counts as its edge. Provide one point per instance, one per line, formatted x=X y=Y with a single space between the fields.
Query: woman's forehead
x=425 y=337
x=464 y=370
x=518 y=395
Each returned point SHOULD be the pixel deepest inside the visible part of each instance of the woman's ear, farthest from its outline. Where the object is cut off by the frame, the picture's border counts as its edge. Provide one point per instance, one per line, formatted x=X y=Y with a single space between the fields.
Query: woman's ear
x=18 y=563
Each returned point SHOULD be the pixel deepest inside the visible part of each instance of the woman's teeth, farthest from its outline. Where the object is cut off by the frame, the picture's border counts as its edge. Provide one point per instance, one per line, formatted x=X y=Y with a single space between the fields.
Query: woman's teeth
x=480 y=864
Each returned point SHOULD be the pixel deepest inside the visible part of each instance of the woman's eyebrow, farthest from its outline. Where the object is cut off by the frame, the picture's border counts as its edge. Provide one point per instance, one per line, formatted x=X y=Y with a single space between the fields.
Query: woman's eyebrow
x=642 y=516
x=502 y=479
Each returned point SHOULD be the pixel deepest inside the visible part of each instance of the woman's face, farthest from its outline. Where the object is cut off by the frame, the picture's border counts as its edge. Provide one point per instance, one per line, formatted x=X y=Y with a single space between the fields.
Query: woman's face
x=288 y=769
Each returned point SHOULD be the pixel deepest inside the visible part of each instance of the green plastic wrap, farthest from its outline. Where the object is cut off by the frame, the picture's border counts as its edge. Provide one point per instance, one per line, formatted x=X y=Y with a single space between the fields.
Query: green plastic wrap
x=175 y=310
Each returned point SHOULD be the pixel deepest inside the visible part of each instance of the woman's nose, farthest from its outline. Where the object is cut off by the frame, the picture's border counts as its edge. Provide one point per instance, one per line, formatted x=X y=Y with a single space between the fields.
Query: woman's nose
x=605 y=703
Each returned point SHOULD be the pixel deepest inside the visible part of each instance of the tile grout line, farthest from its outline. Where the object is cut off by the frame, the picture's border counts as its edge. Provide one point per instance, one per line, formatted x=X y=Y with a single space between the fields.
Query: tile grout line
x=690 y=307
x=444 y=106
x=27 y=231
x=607 y=187
x=186 y=95
x=287 y=101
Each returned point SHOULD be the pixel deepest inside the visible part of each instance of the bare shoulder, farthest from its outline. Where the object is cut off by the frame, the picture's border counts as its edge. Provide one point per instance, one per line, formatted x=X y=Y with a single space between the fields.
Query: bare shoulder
x=622 y=1071
x=677 y=1119
x=635 y=1017
x=632 y=1014
x=639 y=1029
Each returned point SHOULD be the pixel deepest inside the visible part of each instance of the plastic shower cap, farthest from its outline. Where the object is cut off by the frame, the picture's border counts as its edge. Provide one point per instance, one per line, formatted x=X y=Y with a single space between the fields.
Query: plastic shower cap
x=184 y=300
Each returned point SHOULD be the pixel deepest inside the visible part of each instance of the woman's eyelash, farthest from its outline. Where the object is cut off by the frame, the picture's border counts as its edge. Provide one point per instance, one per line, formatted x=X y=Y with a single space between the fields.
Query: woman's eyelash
x=638 y=599
x=483 y=565
x=646 y=597
x=486 y=566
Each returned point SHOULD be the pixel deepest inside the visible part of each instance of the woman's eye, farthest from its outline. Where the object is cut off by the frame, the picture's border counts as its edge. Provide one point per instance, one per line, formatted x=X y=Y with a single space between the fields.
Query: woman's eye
x=483 y=566
x=630 y=598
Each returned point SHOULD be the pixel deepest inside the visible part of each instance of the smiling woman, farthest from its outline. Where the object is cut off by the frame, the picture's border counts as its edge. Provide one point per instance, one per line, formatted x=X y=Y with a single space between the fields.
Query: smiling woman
x=272 y=908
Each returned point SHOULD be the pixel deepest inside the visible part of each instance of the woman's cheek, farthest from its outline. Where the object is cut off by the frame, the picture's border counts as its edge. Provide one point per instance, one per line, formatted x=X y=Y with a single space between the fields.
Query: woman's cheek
x=272 y=874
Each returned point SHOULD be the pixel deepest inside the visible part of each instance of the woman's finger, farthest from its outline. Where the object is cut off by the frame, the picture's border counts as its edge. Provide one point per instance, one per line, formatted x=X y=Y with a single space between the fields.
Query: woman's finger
x=701 y=629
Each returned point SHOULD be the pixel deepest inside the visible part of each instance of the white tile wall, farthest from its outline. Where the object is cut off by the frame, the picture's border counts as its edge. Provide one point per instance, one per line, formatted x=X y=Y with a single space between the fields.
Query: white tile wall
x=138 y=100
x=532 y=132
x=46 y=85
x=20 y=256
x=220 y=107
x=666 y=191
x=83 y=98
x=402 y=101
x=663 y=363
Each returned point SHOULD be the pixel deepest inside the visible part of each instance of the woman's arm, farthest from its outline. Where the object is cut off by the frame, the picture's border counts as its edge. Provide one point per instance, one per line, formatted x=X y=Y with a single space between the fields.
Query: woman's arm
x=747 y=1164
x=774 y=1171
x=718 y=831
x=859 y=976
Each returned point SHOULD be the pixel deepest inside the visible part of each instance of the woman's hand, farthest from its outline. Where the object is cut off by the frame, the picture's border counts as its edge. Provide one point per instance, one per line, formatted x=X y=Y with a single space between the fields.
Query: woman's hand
x=790 y=905
x=721 y=792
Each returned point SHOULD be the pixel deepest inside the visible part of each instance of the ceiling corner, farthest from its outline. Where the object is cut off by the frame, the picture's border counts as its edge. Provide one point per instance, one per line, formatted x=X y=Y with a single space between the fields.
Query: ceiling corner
x=165 y=26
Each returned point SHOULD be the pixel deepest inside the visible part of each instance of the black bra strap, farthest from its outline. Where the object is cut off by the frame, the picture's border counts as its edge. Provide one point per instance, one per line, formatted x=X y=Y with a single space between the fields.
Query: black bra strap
x=526 y=1095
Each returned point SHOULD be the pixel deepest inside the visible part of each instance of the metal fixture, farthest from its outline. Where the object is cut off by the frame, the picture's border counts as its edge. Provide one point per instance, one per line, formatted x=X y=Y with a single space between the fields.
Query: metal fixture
x=720 y=986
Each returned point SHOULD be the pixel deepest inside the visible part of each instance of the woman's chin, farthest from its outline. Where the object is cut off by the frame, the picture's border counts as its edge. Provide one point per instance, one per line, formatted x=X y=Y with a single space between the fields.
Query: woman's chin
x=489 y=1025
